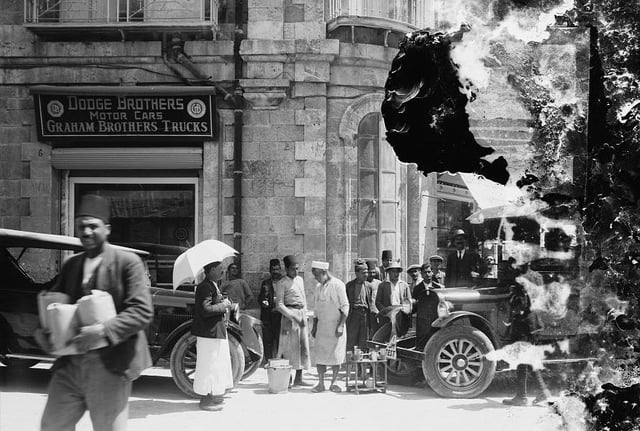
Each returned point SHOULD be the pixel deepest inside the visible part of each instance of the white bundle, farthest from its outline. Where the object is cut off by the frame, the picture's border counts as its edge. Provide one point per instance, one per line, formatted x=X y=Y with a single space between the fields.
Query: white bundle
x=45 y=299
x=63 y=326
x=96 y=308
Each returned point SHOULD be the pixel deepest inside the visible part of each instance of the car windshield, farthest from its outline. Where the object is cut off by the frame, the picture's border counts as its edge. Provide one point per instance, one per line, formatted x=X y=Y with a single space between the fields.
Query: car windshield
x=36 y=265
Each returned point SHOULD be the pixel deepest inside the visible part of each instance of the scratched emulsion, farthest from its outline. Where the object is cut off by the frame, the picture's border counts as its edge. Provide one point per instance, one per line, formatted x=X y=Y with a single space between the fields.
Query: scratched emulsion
x=426 y=98
x=424 y=110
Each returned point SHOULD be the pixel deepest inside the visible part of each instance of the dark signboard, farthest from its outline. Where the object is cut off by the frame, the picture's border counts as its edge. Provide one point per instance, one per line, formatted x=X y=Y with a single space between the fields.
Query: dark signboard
x=112 y=112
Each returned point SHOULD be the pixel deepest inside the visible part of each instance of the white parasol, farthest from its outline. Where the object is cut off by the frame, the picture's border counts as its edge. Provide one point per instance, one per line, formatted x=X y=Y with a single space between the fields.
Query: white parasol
x=191 y=261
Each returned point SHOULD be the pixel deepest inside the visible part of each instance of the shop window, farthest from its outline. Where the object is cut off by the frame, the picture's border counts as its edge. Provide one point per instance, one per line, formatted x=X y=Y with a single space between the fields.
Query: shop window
x=377 y=190
x=147 y=215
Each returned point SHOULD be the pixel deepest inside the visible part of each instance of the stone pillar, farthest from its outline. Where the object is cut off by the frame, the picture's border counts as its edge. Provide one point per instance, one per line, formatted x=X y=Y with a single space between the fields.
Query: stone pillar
x=284 y=190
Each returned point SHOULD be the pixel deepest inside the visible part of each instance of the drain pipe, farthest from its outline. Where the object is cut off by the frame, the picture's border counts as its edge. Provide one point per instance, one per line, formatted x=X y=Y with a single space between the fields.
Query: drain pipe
x=237 y=101
x=238 y=120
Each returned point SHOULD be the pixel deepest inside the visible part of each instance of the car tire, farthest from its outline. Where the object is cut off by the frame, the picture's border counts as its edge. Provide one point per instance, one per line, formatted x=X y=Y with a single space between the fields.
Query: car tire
x=454 y=364
x=183 y=362
x=399 y=371
x=251 y=366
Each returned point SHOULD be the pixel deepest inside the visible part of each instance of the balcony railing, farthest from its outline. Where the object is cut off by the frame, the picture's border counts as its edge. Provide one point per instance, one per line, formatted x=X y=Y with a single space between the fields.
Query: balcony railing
x=418 y=13
x=120 y=11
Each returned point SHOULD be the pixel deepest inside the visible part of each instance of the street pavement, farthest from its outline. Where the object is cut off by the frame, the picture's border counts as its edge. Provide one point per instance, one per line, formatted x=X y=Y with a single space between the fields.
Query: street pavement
x=156 y=404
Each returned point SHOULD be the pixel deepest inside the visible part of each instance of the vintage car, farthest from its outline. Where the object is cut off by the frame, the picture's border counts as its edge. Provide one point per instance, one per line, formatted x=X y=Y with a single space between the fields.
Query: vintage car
x=170 y=340
x=474 y=321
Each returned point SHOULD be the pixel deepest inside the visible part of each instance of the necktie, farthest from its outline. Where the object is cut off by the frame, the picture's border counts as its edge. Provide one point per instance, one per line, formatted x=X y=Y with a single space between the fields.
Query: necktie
x=459 y=255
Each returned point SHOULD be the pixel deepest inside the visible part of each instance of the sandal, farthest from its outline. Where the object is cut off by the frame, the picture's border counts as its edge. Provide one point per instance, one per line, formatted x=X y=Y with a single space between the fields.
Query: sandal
x=317 y=389
x=335 y=388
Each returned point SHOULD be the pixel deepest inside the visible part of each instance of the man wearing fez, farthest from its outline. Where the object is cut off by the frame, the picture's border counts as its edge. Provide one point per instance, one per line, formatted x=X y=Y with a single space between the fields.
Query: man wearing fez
x=331 y=310
x=463 y=265
x=291 y=302
x=359 y=295
x=373 y=277
x=387 y=258
x=99 y=380
x=268 y=313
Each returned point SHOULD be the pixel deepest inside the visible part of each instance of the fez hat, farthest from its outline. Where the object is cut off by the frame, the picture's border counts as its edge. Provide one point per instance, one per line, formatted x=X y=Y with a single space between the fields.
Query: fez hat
x=372 y=263
x=274 y=262
x=387 y=254
x=458 y=232
x=394 y=265
x=289 y=261
x=94 y=206
x=412 y=267
x=436 y=257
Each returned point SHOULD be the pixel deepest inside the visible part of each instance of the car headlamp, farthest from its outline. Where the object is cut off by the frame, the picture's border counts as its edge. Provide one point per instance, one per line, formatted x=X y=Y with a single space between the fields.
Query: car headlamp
x=444 y=308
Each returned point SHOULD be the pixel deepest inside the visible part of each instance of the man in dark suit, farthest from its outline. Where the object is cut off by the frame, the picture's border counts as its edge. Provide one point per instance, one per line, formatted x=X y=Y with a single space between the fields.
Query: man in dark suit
x=100 y=380
x=463 y=265
x=268 y=314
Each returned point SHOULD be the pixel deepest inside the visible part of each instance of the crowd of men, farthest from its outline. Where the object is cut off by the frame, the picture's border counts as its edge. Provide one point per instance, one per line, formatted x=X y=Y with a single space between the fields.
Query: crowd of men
x=347 y=315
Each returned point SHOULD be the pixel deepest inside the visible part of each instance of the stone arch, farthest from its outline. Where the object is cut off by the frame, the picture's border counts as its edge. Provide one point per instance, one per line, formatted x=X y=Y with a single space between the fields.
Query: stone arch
x=354 y=113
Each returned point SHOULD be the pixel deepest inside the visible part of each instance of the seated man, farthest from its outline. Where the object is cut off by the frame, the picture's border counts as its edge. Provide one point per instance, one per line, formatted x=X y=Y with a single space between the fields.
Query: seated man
x=426 y=306
x=393 y=301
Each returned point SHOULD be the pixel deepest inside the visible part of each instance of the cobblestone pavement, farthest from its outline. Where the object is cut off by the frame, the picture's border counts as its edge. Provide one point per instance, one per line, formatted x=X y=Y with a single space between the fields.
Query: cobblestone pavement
x=156 y=404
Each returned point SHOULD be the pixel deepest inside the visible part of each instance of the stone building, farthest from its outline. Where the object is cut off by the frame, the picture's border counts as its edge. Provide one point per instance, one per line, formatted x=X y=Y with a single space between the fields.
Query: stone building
x=255 y=122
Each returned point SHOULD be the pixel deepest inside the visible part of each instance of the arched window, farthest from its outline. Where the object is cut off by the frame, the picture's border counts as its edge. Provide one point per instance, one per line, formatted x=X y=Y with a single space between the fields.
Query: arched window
x=378 y=221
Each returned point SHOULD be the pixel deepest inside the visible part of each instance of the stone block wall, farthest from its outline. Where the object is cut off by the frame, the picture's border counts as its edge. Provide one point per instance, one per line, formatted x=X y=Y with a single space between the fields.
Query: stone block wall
x=284 y=151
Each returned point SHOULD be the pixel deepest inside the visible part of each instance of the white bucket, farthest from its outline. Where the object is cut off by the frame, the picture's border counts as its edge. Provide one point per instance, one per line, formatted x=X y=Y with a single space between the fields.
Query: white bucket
x=278 y=374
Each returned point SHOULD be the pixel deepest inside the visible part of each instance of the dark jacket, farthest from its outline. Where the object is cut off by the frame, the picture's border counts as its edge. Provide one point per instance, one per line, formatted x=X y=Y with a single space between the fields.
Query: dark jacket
x=458 y=272
x=122 y=274
x=208 y=318
x=352 y=294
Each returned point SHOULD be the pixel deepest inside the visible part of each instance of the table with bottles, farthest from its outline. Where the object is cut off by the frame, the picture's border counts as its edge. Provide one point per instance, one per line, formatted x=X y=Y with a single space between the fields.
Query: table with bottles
x=366 y=371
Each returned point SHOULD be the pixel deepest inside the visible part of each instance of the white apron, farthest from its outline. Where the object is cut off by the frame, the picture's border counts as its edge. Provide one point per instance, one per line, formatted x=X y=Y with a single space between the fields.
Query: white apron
x=213 y=366
x=328 y=349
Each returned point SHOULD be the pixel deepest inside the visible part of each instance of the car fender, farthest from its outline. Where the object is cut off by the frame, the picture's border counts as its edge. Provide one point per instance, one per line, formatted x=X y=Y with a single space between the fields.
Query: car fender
x=252 y=332
x=474 y=319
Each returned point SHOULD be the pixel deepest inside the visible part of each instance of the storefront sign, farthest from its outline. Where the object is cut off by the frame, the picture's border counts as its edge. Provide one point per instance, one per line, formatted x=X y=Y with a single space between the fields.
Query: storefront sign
x=99 y=112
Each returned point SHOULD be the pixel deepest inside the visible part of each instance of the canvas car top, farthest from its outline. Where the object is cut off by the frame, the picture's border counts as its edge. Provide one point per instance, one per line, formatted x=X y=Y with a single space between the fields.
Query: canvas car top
x=25 y=239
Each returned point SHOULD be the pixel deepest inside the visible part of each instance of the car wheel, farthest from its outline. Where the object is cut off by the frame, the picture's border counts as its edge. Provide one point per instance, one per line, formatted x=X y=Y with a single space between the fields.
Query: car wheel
x=399 y=371
x=250 y=366
x=183 y=362
x=454 y=364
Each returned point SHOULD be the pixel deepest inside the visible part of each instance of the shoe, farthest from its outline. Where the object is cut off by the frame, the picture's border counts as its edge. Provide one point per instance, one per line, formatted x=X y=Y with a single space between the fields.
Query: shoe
x=540 y=398
x=210 y=403
x=516 y=401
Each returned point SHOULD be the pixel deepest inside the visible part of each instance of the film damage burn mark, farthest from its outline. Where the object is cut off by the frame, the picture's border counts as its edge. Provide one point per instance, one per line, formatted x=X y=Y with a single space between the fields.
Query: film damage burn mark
x=64 y=116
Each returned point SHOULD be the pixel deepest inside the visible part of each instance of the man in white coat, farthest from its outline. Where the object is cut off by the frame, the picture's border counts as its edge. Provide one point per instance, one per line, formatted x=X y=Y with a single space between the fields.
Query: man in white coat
x=331 y=310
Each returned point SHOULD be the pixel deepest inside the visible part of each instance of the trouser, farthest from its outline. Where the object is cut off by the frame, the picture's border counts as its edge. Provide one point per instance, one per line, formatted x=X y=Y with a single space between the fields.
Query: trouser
x=373 y=324
x=270 y=333
x=521 y=380
x=83 y=383
x=357 y=328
